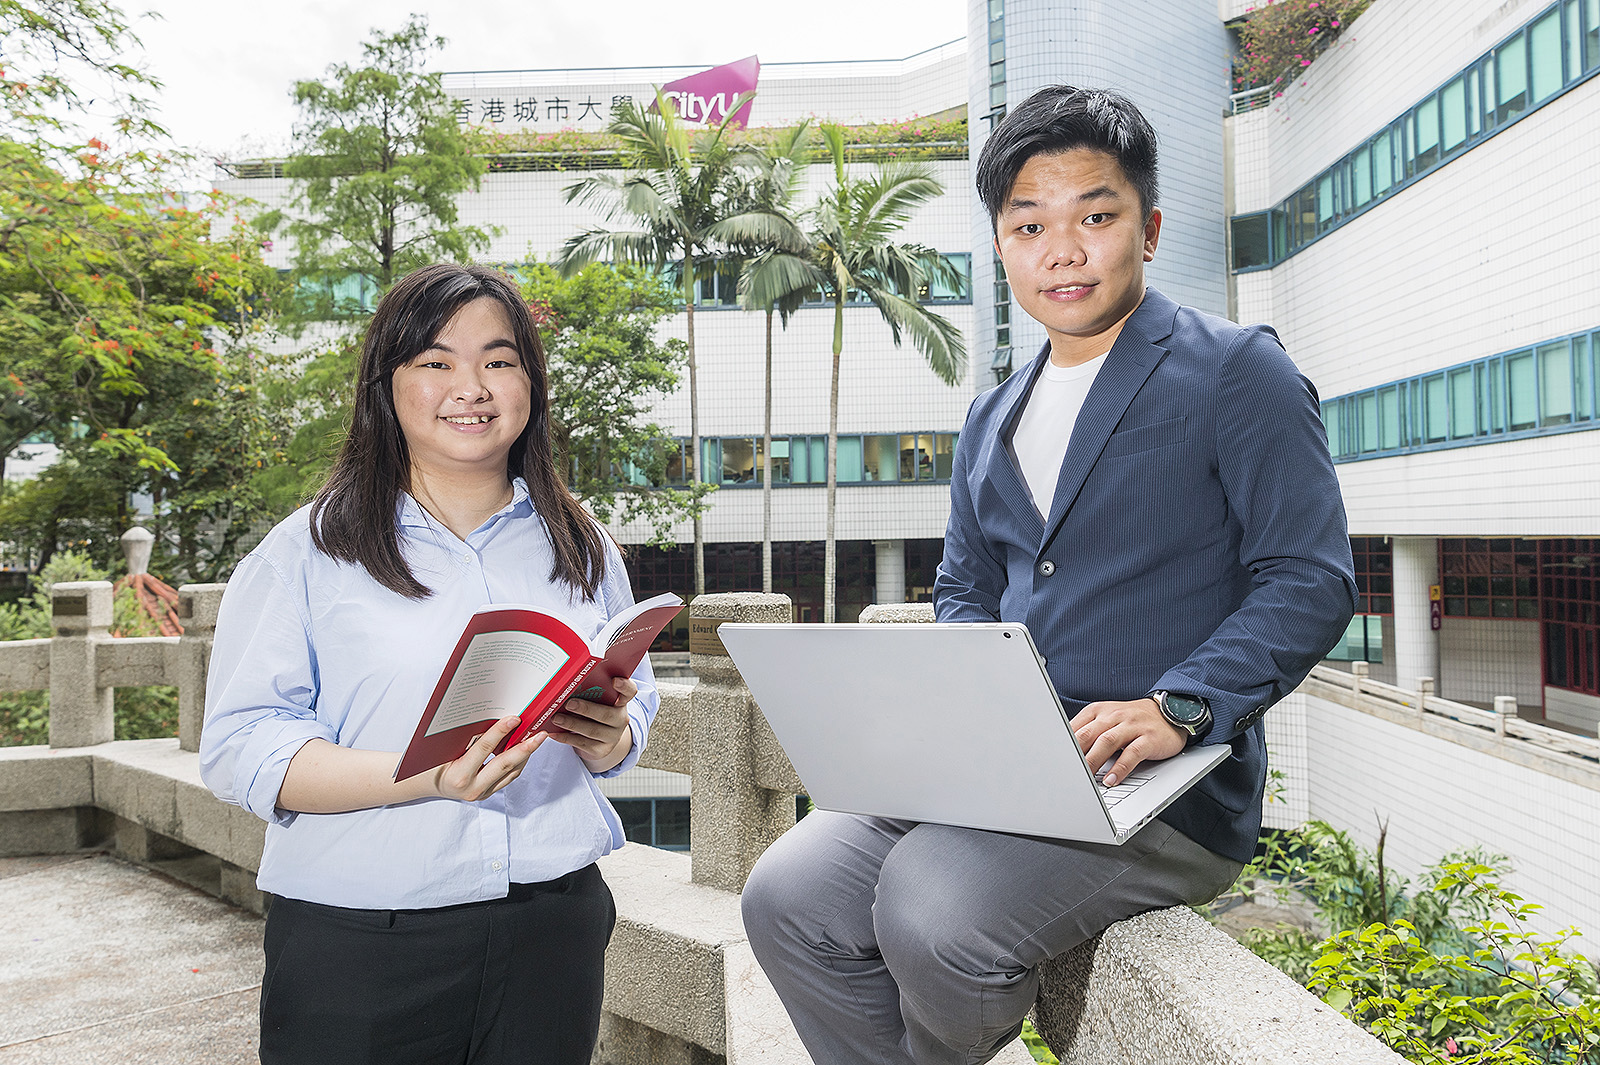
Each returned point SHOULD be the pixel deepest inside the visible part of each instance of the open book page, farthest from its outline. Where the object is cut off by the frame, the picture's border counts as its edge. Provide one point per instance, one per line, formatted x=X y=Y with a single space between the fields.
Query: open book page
x=500 y=674
x=624 y=642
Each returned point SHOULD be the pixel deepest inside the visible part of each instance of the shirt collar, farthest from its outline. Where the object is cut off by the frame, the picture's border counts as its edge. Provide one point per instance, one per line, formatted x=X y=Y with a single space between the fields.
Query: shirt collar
x=410 y=515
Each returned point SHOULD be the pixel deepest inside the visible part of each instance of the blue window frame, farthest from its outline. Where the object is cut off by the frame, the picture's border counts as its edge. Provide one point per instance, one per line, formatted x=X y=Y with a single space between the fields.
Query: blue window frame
x=1545 y=57
x=1549 y=387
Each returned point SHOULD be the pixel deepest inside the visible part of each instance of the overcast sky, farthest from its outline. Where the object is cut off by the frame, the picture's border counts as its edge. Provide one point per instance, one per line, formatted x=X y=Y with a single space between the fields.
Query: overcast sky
x=227 y=66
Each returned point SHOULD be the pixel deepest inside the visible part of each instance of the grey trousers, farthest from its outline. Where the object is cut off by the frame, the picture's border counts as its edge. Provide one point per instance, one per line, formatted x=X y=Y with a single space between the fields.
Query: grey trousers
x=894 y=942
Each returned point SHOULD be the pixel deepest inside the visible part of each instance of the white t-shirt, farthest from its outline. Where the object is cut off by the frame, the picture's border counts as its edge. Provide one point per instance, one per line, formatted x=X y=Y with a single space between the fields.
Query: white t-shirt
x=1039 y=443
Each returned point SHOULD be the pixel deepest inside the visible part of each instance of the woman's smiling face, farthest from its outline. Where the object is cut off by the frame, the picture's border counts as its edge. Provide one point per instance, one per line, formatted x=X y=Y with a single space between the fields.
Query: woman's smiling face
x=464 y=401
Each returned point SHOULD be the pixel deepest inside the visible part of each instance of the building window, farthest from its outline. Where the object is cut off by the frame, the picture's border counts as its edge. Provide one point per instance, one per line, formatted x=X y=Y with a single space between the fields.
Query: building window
x=1489 y=578
x=997 y=61
x=1550 y=387
x=1362 y=640
x=1374 y=564
x=660 y=823
x=1545 y=57
x=1569 y=579
x=874 y=458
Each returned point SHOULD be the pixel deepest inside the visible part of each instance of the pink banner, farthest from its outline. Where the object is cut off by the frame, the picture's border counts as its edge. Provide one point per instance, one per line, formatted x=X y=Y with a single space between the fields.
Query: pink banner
x=705 y=97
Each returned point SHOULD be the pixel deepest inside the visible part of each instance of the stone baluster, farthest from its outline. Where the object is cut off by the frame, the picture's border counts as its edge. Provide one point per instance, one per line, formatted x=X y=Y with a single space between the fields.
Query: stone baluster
x=197 y=609
x=1505 y=708
x=80 y=710
x=732 y=819
x=1424 y=693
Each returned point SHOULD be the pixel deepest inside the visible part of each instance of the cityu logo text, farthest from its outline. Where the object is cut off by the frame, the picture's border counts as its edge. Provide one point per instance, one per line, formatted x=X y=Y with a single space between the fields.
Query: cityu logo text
x=706 y=97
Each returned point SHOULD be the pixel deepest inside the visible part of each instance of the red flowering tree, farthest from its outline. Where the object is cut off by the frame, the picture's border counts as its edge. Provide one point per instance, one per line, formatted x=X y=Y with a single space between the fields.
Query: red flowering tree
x=1282 y=37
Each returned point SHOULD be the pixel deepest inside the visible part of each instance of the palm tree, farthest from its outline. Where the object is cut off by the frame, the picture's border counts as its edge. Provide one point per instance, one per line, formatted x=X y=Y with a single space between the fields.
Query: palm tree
x=775 y=189
x=852 y=255
x=678 y=190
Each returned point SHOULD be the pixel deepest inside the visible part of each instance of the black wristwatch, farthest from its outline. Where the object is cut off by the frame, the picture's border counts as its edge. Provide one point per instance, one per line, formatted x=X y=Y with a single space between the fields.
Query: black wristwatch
x=1191 y=713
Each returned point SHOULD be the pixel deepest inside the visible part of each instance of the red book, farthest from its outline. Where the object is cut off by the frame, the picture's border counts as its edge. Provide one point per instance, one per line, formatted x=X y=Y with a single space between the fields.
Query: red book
x=516 y=660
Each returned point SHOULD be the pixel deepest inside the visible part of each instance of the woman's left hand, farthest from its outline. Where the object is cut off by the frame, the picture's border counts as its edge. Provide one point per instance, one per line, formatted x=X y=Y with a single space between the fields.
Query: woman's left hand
x=599 y=733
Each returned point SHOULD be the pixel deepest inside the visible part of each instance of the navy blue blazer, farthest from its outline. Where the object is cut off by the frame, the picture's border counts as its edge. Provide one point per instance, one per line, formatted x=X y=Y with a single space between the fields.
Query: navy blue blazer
x=1197 y=540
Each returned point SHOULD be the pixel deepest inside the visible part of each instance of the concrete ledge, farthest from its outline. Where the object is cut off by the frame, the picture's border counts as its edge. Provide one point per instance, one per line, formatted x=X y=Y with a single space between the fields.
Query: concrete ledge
x=24 y=665
x=43 y=778
x=1166 y=987
x=665 y=967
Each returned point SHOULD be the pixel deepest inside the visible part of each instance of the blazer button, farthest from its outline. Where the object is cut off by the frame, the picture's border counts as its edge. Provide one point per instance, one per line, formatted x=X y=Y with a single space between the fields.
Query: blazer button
x=1047 y=567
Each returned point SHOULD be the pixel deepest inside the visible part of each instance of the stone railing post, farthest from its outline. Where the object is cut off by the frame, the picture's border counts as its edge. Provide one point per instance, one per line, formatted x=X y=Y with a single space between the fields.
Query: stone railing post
x=1505 y=708
x=1424 y=693
x=1359 y=671
x=197 y=609
x=80 y=710
x=731 y=819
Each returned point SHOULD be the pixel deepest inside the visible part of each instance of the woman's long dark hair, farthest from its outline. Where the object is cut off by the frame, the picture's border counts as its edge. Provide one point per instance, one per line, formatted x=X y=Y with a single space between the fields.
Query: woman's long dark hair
x=353 y=516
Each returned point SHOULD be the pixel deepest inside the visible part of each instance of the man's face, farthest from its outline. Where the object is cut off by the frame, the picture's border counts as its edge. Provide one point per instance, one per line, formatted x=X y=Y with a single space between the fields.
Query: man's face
x=1074 y=243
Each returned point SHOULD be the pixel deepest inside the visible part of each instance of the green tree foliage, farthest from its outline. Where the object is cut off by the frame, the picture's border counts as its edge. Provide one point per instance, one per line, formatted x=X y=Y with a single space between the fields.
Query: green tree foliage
x=140 y=713
x=114 y=294
x=679 y=195
x=850 y=253
x=606 y=367
x=378 y=163
x=1451 y=971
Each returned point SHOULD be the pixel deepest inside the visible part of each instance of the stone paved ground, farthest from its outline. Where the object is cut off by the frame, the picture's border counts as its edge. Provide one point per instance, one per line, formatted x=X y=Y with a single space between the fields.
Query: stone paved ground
x=102 y=961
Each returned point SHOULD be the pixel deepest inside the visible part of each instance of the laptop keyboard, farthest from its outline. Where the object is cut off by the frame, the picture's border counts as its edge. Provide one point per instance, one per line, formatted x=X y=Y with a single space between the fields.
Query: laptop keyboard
x=1135 y=780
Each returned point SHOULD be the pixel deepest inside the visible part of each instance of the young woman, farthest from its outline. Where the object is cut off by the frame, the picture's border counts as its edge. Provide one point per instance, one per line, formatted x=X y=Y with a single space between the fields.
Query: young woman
x=456 y=916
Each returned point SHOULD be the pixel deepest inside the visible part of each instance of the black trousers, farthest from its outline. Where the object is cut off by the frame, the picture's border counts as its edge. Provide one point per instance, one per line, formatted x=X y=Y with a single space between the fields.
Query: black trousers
x=513 y=980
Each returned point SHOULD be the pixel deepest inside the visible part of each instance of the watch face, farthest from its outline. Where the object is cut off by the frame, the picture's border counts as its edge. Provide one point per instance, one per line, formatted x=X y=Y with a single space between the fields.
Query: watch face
x=1185 y=707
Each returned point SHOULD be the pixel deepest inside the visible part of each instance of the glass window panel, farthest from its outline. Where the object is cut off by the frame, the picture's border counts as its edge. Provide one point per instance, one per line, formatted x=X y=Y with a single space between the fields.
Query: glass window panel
x=1544 y=46
x=675 y=471
x=1555 y=384
x=1474 y=103
x=1463 y=403
x=1511 y=79
x=1382 y=163
x=710 y=460
x=672 y=823
x=997 y=95
x=944 y=452
x=1582 y=379
x=1369 y=422
x=1435 y=408
x=880 y=459
x=1453 y=114
x=1591 y=34
x=1427 y=133
x=997 y=9
x=819 y=459
x=799 y=466
x=1490 y=407
x=1325 y=205
x=635 y=817
x=940 y=290
x=1405 y=150
x=997 y=73
x=780 y=460
x=1280 y=234
x=1522 y=390
x=1574 y=57
x=738 y=460
x=849 y=458
x=1388 y=419
x=997 y=51
x=1361 y=168
x=1250 y=245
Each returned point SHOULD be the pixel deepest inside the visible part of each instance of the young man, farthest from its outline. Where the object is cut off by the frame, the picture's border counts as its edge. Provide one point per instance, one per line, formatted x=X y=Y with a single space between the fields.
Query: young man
x=1153 y=496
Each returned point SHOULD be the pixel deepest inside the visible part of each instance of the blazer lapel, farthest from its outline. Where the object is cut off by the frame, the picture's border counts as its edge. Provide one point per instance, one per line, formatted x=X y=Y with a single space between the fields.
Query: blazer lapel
x=1003 y=475
x=1132 y=359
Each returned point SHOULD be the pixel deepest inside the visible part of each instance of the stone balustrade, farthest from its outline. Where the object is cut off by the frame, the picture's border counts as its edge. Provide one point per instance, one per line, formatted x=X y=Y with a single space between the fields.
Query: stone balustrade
x=682 y=987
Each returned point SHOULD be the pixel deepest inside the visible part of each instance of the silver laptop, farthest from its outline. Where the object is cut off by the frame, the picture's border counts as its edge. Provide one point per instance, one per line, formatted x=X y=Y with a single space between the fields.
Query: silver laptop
x=956 y=724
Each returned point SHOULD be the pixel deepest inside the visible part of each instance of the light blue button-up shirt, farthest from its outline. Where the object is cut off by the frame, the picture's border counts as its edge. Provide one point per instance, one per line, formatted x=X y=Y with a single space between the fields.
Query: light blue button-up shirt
x=311 y=648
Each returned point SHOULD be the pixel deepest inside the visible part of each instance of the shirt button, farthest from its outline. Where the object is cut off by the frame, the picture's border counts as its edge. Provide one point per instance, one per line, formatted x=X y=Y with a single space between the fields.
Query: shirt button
x=1047 y=567
x=495 y=866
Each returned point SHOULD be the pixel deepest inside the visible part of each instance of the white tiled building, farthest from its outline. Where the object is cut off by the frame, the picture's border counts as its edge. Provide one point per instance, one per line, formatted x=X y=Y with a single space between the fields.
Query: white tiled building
x=1445 y=306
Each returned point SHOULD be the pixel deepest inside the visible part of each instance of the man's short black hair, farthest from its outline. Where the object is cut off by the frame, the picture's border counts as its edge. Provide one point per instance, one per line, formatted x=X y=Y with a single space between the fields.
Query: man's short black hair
x=1058 y=119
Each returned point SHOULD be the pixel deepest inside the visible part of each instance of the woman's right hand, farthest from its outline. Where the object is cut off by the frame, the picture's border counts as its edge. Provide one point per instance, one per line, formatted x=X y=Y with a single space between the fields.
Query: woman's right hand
x=476 y=775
